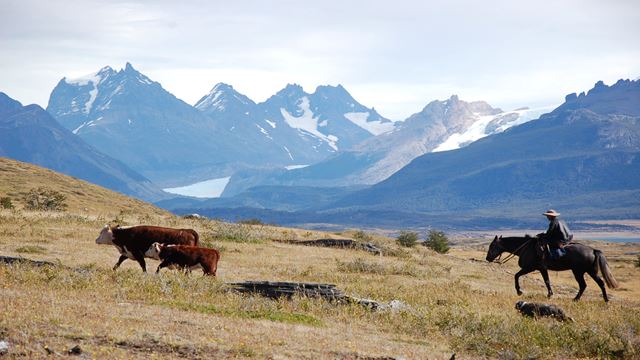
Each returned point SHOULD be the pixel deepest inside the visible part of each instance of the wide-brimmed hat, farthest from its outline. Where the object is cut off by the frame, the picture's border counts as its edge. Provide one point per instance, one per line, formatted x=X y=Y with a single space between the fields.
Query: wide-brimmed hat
x=551 y=212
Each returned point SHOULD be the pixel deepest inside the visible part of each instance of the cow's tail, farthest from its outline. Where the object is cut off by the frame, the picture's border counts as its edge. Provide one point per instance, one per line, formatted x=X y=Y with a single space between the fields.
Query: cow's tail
x=612 y=283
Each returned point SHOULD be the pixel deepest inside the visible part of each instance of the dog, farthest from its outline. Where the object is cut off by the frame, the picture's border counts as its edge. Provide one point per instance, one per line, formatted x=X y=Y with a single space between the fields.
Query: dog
x=537 y=310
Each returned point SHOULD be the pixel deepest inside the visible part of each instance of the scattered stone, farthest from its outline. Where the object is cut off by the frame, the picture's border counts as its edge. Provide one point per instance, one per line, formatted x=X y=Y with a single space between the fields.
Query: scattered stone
x=12 y=260
x=76 y=350
x=49 y=350
x=4 y=347
x=193 y=216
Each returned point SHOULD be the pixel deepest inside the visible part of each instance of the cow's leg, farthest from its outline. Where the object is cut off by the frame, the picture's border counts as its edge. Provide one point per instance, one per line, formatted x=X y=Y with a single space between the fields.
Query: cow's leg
x=517 y=277
x=139 y=256
x=545 y=276
x=581 y=283
x=600 y=282
x=120 y=260
x=163 y=264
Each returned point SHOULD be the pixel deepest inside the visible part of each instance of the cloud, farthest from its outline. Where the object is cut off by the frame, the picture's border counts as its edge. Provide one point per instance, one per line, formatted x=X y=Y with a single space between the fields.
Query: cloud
x=396 y=56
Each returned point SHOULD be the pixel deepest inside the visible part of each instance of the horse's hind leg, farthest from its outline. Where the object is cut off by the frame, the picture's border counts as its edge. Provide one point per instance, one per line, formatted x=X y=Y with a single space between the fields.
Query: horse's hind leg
x=581 y=283
x=517 y=277
x=600 y=282
x=545 y=276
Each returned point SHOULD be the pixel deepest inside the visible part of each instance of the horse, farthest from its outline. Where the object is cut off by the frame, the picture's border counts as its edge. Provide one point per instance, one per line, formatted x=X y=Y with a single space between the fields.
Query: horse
x=579 y=258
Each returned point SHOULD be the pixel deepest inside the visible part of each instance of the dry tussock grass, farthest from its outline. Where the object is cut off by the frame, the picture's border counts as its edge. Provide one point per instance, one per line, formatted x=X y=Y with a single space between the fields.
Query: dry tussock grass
x=458 y=302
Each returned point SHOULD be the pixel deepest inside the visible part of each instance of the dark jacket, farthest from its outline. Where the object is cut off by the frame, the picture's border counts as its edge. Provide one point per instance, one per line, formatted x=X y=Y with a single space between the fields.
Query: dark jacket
x=558 y=233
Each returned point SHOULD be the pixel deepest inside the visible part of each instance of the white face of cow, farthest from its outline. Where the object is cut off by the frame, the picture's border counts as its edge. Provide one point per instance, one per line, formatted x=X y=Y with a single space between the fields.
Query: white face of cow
x=106 y=236
x=154 y=251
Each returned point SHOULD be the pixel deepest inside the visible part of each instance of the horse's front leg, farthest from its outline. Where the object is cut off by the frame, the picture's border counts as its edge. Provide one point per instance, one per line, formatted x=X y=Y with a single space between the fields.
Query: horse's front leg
x=517 y=277
x=545 y=276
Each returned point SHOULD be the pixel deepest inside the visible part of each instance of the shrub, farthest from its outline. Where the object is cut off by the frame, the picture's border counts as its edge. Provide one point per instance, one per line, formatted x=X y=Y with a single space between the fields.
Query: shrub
x=5 y=202
x=638 y=261
x=45 y=199
x=362 y=236
x=437 y=241
x=407 y=238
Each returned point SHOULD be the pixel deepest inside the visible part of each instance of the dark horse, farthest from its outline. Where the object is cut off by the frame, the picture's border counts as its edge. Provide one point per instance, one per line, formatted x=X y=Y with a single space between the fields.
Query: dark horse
x=579 y=258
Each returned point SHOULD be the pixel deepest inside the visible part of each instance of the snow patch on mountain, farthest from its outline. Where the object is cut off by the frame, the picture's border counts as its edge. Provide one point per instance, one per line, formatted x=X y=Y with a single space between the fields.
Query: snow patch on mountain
x=205 y=189
x=373 y=127
x=489 y=125
x=308 y=123
x=91 y=79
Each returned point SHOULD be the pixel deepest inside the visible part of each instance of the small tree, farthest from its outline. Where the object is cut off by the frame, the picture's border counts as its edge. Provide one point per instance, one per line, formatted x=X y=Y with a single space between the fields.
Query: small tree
x=5 y=202
x=407 y=238
x=45 y=199
x=437 y=241
x=638 y=261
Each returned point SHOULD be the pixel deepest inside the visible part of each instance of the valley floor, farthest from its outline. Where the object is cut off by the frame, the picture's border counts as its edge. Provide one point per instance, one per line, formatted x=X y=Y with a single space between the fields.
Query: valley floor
x=457 y=302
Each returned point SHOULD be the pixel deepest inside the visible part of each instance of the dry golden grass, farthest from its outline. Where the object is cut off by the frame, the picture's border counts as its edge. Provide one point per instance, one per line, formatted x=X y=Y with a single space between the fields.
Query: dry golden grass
x=459 y=303
x=83 y=198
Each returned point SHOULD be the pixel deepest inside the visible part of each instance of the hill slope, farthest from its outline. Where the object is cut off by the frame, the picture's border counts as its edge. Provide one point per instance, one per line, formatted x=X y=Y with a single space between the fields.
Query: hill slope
x=18 y=178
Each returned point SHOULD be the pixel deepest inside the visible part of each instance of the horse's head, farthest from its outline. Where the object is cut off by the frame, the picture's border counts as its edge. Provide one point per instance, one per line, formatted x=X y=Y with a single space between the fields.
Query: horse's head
x=495 y=249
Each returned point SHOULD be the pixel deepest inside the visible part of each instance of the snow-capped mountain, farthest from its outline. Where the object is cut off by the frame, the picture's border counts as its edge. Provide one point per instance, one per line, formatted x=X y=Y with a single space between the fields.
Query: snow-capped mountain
x=441 y=125
x=132 y=118
x=295 y=127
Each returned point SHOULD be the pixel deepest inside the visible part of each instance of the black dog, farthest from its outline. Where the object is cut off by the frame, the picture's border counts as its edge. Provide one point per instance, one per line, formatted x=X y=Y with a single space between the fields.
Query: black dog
x=536 y=310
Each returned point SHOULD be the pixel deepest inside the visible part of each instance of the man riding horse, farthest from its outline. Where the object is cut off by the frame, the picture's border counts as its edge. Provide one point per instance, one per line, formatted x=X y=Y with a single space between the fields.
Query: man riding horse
x=556 y=236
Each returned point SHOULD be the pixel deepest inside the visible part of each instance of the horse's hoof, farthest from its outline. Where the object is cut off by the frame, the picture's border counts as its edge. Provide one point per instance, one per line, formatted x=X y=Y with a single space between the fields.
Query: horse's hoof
x=519 y=292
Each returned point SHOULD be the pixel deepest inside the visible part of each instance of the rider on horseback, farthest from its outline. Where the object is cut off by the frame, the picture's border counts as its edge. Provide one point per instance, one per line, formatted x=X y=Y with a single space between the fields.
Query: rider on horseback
x=557 y=235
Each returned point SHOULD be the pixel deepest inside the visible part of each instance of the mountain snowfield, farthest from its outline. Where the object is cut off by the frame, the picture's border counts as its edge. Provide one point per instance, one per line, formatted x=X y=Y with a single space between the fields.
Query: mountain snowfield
x=491 y=124
x=441 y=125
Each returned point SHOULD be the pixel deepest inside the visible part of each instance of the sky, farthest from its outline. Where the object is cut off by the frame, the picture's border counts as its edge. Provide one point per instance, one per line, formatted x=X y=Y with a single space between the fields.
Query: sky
x=396 y=56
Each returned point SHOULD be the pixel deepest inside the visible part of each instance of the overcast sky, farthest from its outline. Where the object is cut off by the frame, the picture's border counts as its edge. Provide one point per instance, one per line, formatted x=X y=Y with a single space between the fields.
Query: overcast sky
x=394 y=55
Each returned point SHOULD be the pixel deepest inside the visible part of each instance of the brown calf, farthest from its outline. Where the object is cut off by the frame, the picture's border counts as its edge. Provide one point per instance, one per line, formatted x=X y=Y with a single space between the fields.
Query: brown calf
x=185 y=257
x=132 y=242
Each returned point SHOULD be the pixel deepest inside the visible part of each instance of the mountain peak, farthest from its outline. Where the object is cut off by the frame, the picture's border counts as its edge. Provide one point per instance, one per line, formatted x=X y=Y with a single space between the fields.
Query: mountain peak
x=129 y=68
x=221 y=87
x=7 y=104
x=291 y=90
x=334 y=91
x=623 y=97
x=221 y=97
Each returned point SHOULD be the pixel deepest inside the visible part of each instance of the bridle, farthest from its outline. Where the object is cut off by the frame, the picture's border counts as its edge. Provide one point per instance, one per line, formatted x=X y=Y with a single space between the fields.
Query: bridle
x=511 y=255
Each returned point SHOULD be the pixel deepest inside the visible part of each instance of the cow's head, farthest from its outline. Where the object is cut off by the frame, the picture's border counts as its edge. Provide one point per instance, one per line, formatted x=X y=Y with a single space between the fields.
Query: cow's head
x=154 y=251
x=106 y=236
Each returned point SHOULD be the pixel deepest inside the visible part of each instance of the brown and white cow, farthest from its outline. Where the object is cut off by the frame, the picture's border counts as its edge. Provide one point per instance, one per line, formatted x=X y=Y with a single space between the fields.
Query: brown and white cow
x=132 y=242
x=185 y=257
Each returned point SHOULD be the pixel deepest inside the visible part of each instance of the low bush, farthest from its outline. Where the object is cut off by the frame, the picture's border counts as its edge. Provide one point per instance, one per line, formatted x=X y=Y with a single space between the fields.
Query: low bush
x=407 y=238
x=5 y=202
x=44 y=199
x=437 y=241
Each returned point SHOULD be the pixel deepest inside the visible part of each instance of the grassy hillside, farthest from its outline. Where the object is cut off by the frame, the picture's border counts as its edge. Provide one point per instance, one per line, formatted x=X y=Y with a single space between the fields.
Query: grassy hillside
x=18 y=178
x=457 y=302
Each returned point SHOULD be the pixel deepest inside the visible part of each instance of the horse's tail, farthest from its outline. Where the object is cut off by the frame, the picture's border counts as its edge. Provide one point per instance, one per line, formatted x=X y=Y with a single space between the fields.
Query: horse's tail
x=612 y=283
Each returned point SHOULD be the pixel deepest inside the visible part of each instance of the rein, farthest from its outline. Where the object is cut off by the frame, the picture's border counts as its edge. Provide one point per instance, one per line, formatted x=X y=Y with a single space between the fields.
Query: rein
x=513 y=254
